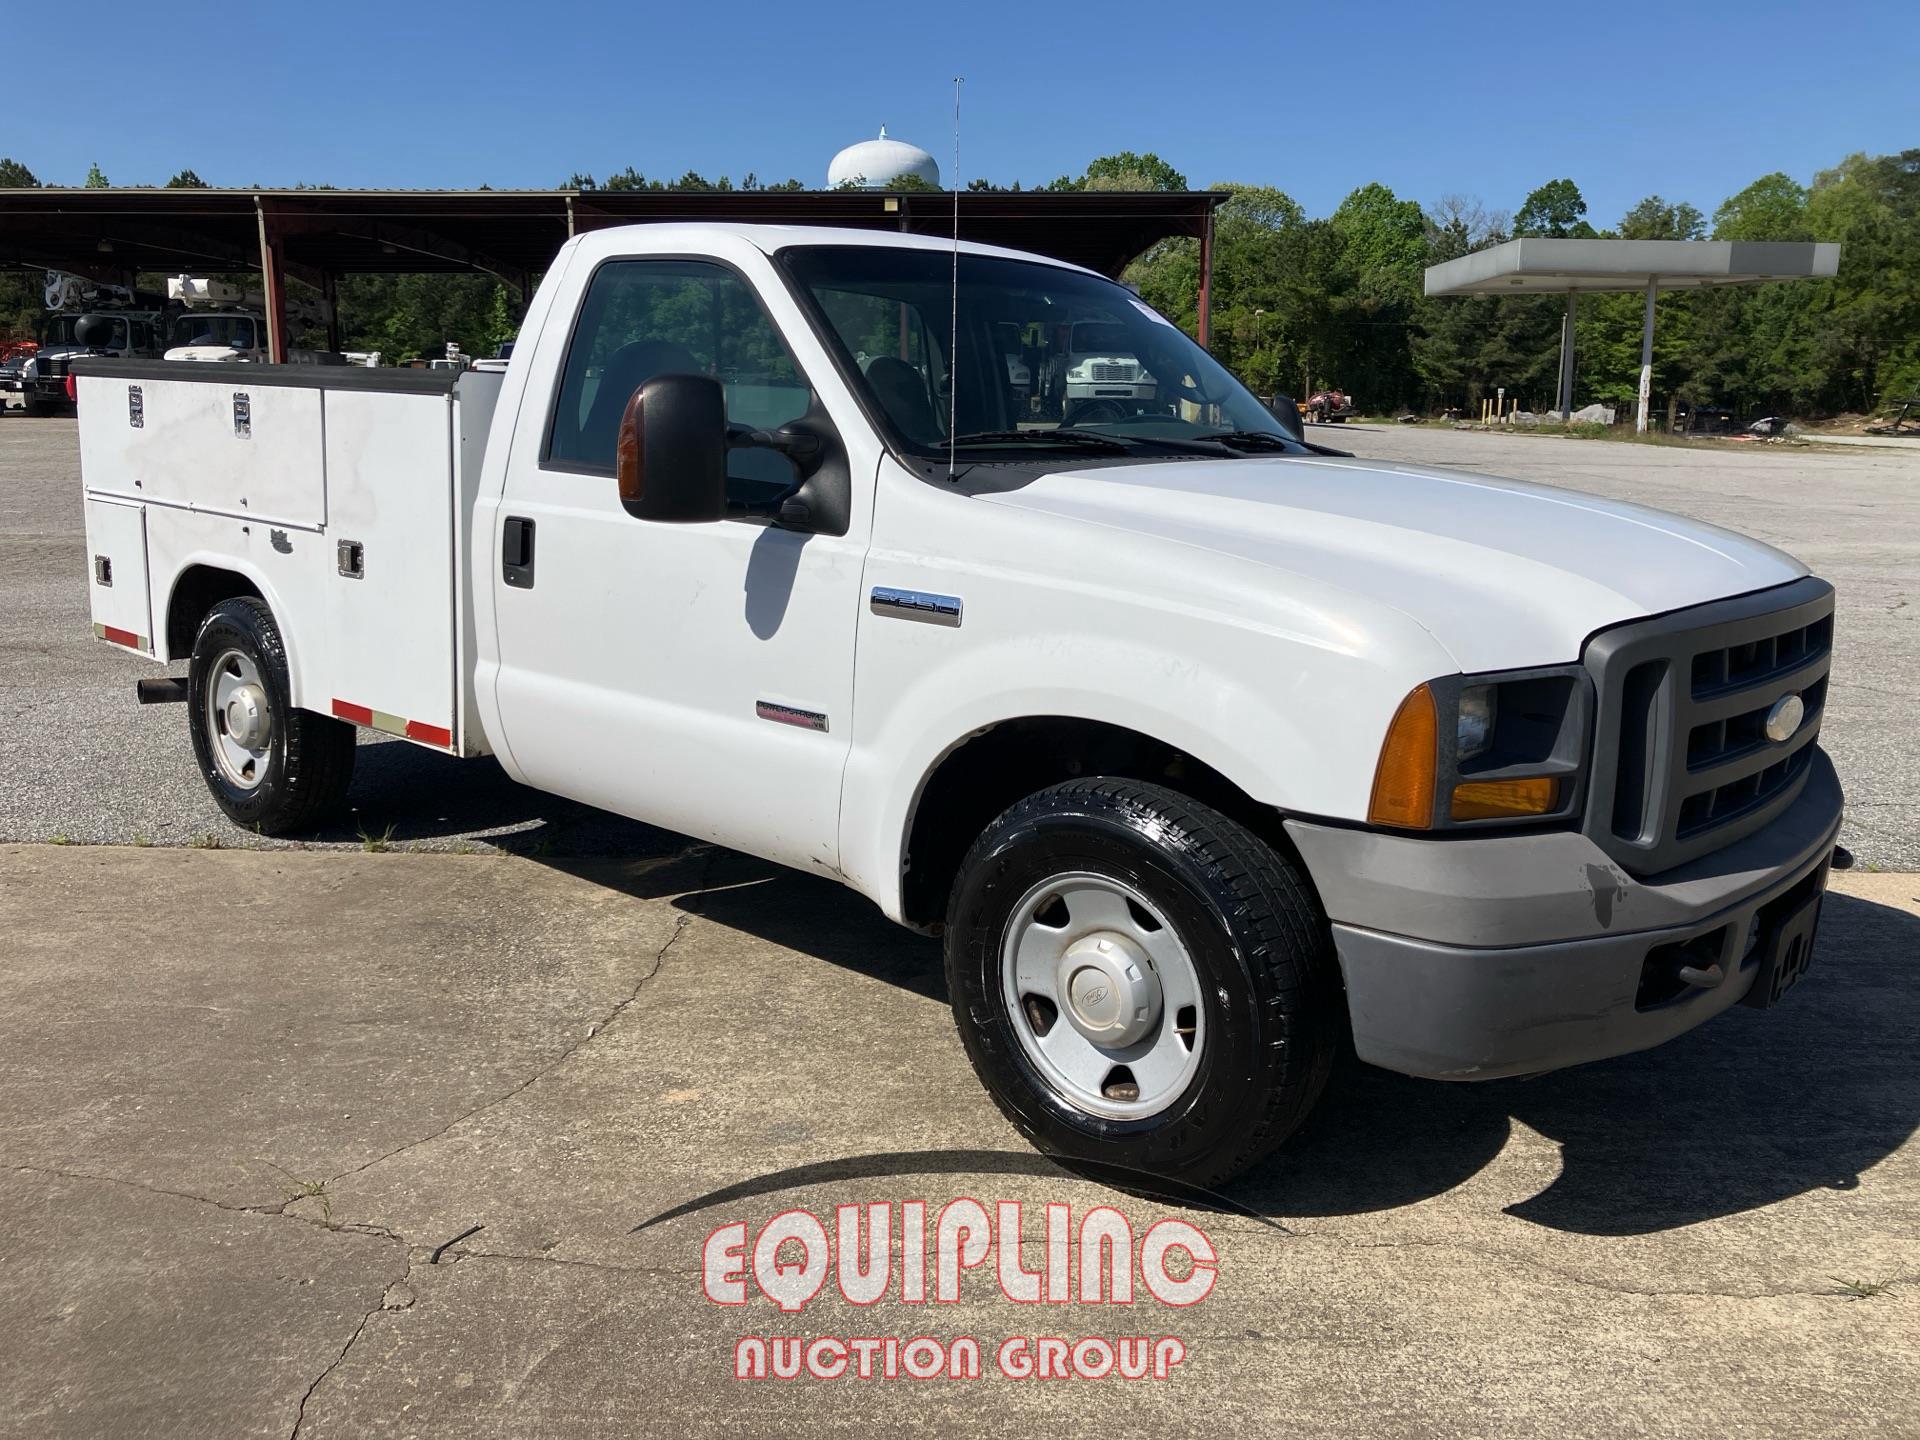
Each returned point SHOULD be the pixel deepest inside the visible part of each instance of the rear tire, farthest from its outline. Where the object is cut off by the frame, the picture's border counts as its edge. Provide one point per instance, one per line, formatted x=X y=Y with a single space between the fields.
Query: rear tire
x=1218 y=937
x=271 y=768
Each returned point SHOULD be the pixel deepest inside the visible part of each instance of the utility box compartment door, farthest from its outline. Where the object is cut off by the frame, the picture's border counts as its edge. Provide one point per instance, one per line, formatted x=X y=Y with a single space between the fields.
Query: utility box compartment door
x=389 y=584
x=216 y=443
x=117 y=573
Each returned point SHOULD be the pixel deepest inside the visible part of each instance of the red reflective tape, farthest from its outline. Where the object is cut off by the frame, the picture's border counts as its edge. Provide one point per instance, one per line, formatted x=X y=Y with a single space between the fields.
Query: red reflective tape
x=431 y=734
x=121 y=637
x=358 y=714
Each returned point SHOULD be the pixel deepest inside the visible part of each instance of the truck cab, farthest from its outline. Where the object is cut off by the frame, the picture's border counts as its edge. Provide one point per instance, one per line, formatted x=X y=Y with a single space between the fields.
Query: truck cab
x=202 y=335
x=1207 y=753
x=1100 y=377
x=45 y=376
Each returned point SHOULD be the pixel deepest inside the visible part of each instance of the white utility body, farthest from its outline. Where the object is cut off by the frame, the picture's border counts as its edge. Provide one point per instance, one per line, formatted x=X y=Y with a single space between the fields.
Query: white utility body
x=345 y=496
x=1199 y=743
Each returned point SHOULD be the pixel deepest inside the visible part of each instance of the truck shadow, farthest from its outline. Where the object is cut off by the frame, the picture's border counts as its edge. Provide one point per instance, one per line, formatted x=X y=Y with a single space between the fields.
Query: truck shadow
x=408 y=794
x=1749 y=1110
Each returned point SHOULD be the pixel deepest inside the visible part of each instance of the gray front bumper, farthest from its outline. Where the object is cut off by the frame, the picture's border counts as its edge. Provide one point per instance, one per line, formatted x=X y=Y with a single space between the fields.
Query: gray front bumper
x=1472 y=958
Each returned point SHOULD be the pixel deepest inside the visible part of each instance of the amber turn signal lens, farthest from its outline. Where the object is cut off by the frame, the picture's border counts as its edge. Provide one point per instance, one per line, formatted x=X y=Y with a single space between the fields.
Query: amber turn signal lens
x=1403 y=781
x=1500 y=799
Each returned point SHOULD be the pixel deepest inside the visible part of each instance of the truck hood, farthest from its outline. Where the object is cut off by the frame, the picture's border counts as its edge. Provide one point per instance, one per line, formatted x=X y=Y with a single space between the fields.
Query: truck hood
x=1501 y=573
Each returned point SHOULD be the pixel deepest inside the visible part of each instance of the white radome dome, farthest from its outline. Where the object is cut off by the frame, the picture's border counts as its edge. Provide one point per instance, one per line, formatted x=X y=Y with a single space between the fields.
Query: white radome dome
x=880 y=164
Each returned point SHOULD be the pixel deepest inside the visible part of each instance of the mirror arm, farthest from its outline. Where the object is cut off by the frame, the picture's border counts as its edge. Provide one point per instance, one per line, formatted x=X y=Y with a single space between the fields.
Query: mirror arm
x=797 y=446
x=804 y=448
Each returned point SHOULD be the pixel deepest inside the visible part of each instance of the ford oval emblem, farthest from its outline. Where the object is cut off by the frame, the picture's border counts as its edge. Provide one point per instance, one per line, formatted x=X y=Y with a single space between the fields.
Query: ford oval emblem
x=1783 y=720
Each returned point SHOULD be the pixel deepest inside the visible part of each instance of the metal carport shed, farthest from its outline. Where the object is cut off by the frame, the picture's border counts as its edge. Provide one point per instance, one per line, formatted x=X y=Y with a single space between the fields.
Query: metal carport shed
x=318 y=235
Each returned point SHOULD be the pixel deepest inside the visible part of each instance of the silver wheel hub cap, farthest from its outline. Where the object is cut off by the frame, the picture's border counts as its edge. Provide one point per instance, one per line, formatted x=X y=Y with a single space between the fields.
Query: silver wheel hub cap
x=1103 y=996
x=239 y=719
x=1112 y=993
x=246 y=715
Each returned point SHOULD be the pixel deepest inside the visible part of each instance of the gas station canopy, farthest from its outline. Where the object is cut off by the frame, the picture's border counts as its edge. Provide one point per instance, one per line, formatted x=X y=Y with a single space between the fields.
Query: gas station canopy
x=1546 y=266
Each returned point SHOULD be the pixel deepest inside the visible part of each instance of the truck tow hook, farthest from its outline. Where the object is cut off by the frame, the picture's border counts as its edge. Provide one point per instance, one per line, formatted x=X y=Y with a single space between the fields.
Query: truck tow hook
x=1704 y=977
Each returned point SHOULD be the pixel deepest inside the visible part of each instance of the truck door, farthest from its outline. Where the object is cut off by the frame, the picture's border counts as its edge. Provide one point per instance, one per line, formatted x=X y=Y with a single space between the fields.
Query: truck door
x=698 y=677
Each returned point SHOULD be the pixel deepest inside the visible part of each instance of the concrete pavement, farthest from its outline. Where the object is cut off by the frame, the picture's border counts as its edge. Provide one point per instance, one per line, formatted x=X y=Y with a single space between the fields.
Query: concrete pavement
x=253 y=1106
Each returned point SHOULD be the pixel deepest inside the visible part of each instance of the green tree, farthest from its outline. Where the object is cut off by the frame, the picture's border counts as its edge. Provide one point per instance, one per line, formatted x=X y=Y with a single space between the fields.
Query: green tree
x=1869 y=335
x=1774 y=207
x=15 y=176
x=1657 y=219
x=187 y=180
x=1125 y=171
x=1555 y=210
x=95 y=179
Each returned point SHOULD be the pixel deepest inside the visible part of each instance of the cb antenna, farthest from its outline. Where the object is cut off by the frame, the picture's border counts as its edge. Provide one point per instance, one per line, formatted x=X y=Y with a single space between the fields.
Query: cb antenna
x=953 y=318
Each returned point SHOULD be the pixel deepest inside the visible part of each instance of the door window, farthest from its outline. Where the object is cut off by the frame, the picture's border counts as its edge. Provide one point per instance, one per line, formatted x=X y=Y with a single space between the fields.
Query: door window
x=643 y=318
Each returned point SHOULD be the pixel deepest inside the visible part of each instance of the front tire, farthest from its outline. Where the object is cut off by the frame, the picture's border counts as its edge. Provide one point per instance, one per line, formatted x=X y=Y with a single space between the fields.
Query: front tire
x=271 y=768
x=1140 y=981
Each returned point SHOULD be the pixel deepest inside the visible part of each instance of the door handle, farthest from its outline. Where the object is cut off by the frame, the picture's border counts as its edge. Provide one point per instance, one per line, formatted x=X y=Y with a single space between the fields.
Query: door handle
x=516 y=552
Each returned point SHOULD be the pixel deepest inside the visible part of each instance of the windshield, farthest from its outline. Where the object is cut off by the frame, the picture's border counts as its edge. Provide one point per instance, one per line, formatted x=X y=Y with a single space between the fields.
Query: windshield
x=230 y=330
x=1045 y=356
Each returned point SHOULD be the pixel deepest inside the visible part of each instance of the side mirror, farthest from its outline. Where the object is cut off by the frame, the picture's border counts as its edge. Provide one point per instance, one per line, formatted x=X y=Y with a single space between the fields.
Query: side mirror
x=671 y=459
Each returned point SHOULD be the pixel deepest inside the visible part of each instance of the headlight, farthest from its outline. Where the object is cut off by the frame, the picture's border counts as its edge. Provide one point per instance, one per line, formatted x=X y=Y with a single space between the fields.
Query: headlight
x=1474 y=732
x=1466 y=750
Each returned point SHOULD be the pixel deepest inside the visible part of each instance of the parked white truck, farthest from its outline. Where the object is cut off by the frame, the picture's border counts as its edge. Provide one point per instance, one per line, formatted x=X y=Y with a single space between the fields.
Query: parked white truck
x=1202 y=748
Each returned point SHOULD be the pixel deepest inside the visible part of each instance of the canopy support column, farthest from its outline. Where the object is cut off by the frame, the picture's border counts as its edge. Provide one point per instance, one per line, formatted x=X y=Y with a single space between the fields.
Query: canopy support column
x=1205 y=336
x=330 y=297
x=1646 y=362
x=273 y=285
x=1566 y=359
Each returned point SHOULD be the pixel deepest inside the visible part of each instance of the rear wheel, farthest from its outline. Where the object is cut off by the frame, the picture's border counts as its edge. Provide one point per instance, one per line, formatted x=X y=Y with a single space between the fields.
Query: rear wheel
x=270 y=767
x=1140 y=981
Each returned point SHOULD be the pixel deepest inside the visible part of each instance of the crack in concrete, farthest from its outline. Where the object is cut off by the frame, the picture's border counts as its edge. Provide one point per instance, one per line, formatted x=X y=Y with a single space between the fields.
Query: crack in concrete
x=684 y=1271
x=268 y=1212
x=462 y=1253
x=681 y=925
x=406 y=1276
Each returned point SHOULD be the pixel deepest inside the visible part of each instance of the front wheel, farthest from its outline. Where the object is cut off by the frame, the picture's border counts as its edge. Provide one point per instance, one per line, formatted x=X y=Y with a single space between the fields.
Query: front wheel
x=1140 y=981
x=271 y=768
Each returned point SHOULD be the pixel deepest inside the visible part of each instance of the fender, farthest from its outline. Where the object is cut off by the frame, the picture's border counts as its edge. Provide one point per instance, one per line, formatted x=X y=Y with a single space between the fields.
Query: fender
x=1268 y=751
x=269 y=594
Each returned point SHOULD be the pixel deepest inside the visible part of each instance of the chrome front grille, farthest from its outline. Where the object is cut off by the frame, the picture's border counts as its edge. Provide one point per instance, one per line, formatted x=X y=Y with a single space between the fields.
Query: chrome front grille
x=1683 y=763
x=1111 y=374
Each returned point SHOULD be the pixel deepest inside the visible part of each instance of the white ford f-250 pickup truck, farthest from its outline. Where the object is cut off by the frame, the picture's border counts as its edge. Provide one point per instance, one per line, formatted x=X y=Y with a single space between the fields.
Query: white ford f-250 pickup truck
x=1202 y=747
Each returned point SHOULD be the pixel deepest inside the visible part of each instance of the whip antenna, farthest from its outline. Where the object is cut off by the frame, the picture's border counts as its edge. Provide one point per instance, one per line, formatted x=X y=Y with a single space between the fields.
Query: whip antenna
x=953 y=318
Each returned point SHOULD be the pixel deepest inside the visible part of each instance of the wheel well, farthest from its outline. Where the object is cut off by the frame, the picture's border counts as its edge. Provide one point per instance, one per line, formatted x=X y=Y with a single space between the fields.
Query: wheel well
x=198 y=590
x=989 y=771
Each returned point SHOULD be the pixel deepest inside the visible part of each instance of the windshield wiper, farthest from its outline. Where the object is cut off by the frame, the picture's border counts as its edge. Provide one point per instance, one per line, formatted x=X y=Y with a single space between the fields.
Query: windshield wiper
x=1085 y=439
x=1264 y=438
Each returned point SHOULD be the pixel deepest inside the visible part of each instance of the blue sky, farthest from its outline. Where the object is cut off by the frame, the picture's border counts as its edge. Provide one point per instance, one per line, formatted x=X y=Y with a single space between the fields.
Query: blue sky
x=1688 y=100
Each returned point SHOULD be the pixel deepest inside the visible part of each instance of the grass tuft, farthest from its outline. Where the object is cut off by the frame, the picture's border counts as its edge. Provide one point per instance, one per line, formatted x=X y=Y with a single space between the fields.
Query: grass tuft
x=1862 y=1289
